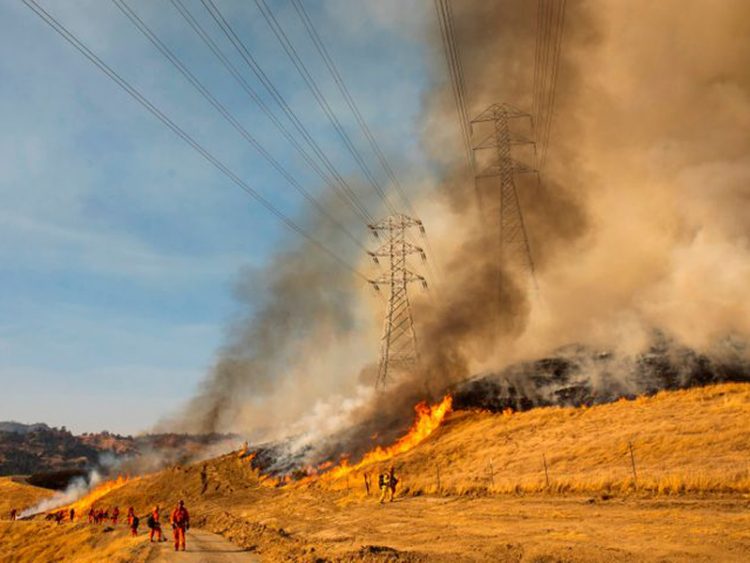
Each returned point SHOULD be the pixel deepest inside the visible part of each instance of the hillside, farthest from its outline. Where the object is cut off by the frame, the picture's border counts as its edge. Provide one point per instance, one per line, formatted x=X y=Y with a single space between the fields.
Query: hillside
x=43 y=449
x=690 y=451
x=38 y=448
x=693 y=440
x=18 y=494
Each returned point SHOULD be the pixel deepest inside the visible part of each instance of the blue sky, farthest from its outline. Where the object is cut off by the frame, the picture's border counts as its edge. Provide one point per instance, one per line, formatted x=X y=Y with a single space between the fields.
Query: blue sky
x=119 y=245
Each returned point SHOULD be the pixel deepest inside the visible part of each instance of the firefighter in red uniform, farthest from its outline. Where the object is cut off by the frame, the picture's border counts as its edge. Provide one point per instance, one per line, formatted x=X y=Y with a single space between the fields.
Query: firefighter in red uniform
x=154 y=525
x=131 y=513
x=92 y=515
x=133 y=522
x=115 y=516
x=180 y=524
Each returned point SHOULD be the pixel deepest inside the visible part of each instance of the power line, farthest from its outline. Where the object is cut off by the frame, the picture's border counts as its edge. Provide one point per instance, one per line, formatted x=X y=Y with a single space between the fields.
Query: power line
x=553 y=86
x=156 y=112
x=291 y=52
x=448 y=9
x=247 y=57
x=550 y=26
x=154 y=39
x=211 y=44
x=456 y=79
x=331 y=65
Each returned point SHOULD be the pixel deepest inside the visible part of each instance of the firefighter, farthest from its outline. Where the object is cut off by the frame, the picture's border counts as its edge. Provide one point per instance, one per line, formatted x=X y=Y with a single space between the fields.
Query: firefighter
x=133 y=522
x=387 y=482
x=180 y=520
x=115 y=516
x=72 y=514
x=131 y=513
x=13 y=513
x=92 y=515
x=154 y=525
x=392 y=481
x=383 y=485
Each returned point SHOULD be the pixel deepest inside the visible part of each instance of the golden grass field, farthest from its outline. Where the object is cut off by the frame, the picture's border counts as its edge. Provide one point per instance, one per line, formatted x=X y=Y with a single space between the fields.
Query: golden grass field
x=691 y=449
x=695 y=440
x=17 y=494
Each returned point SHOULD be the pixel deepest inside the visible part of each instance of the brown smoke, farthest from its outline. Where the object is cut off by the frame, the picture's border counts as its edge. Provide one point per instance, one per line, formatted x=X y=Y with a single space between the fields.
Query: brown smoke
x=640 y=222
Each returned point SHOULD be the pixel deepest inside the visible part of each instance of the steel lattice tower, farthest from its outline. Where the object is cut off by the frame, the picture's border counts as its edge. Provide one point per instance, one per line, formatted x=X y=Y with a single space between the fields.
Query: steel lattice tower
x=398 y=347
x=514 y=243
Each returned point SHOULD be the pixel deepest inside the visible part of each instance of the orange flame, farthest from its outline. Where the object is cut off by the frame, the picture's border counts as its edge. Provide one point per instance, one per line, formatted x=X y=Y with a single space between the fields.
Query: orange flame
x=96 y=493
x=428 y=420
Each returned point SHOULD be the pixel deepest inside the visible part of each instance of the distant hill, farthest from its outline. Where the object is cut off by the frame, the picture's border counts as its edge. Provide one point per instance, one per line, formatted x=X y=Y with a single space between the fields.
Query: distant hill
x=20 y=428
x=38 y=448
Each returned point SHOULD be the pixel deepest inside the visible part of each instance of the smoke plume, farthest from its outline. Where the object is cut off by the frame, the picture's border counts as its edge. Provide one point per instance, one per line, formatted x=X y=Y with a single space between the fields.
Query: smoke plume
x=76 y=489
x=639 y=226
x=639 y=222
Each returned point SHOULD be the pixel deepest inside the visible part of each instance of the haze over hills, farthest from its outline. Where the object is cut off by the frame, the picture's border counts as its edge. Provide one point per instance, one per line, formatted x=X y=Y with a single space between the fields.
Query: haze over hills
x=35 y=448
x=21 y=428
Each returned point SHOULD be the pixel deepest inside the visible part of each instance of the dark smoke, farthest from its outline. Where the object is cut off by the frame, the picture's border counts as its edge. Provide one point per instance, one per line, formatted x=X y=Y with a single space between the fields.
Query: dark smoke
x=638 y=228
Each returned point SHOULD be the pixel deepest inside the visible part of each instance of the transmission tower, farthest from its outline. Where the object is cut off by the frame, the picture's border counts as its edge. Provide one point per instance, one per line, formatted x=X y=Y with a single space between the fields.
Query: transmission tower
x=398 y=346
x=513 y=240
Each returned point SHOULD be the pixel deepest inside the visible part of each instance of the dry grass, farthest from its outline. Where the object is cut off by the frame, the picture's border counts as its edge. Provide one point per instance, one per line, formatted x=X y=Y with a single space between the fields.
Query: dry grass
x=17 y=494
x=38 y=540
x=691 y=441
x=685 y=442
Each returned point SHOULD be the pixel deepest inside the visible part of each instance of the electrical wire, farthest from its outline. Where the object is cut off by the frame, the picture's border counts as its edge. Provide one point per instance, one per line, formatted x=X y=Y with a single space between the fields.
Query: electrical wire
x=250 y=61
x=312 y=85
x=165 y=120
x=250 y=91
x=154 y=39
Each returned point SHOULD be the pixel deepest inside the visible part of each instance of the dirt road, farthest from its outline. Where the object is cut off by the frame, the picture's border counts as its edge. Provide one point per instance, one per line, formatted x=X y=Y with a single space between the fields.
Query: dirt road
x=203 y=547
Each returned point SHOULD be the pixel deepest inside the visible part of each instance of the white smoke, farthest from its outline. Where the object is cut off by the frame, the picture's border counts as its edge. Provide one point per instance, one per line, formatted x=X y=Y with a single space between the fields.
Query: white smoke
x=76 y=489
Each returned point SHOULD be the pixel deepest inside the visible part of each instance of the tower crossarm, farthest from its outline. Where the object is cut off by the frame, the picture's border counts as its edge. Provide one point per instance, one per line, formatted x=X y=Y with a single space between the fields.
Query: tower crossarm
x=500 y=111
x=406 y=249
x=397 y=221
x=405 y=278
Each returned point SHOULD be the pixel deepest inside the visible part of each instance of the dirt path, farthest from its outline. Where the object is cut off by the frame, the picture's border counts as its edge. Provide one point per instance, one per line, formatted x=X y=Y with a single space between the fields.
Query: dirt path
x=203 y=547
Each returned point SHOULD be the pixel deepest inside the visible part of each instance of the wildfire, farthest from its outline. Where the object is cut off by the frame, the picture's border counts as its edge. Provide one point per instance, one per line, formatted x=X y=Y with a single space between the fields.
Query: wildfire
x=427 y=421
x=96 y=493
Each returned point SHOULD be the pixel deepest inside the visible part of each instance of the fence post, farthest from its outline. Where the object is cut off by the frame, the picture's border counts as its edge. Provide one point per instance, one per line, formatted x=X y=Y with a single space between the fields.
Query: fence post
x=492 y=473
x=367 y=483
x=437 y=472
x=546 y=472
x=632 y=464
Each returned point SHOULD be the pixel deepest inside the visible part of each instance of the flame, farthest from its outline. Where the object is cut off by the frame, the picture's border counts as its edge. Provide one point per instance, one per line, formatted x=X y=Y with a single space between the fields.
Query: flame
x=84 y=503
x=429 y=418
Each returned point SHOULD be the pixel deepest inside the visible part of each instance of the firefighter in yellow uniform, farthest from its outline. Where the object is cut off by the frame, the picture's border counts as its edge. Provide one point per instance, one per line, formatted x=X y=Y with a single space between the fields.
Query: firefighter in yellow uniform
x=387 y=482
